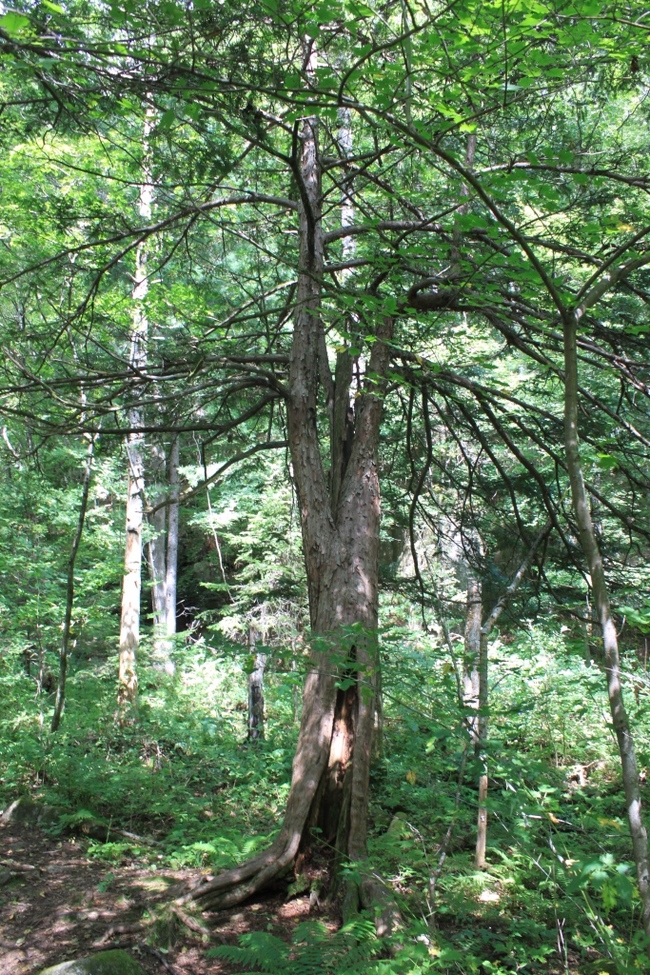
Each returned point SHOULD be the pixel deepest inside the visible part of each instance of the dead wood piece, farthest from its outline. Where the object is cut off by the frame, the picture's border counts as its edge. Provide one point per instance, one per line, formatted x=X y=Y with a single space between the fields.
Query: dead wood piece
x=21 y=867
x=61 y=867
x=117 y=929
x=144 y=840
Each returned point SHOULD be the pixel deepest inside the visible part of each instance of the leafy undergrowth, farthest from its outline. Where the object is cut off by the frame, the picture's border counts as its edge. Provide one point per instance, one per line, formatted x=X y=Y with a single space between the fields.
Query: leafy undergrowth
x=181 y=791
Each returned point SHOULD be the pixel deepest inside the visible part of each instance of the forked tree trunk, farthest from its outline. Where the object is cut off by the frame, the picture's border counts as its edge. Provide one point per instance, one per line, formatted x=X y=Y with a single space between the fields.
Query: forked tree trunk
x=330 y=777
x=602 y=607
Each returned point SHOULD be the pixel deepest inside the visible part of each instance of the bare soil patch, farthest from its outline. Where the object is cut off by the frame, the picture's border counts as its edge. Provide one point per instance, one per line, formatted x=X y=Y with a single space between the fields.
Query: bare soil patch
x=57 y=903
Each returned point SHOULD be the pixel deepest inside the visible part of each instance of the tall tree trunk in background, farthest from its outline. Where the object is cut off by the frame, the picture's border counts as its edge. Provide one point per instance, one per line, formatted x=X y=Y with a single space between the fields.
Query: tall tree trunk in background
x=473 y=620
x=131 y=587
x=156 y=548
x=330 y=778
x=69 y=600
x=475 y=701
x=171 y=568
x=481 y=751
x=163 y=553
x=476 y=639
x=602 y=607
x=255 y=689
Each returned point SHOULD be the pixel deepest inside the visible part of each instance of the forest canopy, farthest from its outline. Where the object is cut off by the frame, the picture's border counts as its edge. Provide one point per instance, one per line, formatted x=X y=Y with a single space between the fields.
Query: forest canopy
x=342 y=310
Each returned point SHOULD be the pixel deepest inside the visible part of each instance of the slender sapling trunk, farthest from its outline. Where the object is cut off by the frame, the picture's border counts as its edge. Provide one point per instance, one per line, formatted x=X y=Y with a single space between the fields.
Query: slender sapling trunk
x=602 y=607
x=59 y=701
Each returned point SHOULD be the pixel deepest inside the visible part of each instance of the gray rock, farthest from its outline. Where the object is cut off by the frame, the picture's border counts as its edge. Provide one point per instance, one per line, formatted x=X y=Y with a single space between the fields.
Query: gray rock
x=115 y=962
x=26 y=812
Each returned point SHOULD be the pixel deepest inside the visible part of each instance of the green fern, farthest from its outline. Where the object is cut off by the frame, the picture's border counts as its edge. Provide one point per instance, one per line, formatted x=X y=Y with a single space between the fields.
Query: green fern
x=314 y=950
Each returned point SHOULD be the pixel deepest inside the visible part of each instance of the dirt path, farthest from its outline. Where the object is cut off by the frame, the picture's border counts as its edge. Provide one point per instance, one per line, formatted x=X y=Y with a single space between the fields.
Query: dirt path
x=57 y=904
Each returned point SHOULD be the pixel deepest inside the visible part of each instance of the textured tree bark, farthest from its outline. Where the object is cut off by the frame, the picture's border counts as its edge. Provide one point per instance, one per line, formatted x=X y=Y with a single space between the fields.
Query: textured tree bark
x=602 y=607
x=330 y=775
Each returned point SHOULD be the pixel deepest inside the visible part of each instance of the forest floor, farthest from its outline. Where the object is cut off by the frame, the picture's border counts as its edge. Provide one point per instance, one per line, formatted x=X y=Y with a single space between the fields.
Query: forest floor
x=56 y=904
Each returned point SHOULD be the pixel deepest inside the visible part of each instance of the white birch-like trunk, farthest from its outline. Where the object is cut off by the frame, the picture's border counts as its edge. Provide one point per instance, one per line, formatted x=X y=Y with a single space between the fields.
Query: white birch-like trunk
x=163 y=554
x=131 y=587
x=171 y=568
x=473 y=620
x=157 y=551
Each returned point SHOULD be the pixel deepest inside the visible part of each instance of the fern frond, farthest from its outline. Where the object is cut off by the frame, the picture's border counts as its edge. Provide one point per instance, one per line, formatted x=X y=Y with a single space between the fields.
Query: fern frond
x=314 y=950
x=258 y=953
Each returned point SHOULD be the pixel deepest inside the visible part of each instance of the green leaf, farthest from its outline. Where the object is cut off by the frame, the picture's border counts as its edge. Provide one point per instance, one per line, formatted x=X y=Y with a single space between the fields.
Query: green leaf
x=14 y=24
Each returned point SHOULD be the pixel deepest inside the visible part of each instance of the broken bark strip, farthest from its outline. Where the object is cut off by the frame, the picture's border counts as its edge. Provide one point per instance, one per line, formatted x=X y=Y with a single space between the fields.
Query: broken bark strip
x=19 y=867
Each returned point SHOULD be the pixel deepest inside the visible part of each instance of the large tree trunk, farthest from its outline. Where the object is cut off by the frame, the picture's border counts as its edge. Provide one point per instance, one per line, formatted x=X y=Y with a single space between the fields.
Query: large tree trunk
x=329 y=787
x=602 y=607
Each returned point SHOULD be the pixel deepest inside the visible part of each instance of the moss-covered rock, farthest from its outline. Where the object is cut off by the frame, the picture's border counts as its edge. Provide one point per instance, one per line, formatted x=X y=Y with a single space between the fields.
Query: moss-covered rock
x=115 y=962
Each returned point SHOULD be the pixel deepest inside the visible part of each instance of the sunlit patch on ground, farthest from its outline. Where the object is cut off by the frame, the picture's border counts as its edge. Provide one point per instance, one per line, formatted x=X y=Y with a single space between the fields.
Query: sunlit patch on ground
x=489 y=897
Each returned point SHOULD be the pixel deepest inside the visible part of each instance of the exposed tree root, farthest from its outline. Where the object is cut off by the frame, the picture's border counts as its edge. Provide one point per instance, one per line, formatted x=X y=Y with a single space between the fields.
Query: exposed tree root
x=239 y=884
x=231 y=888
x=191 y=923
